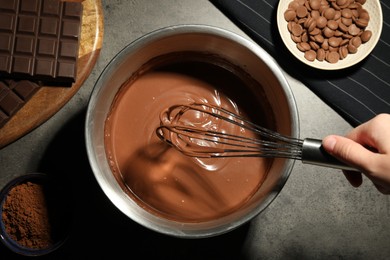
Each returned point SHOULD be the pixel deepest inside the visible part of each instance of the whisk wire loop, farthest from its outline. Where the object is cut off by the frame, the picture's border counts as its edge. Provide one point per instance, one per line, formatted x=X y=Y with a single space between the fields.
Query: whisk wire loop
x=205 y=143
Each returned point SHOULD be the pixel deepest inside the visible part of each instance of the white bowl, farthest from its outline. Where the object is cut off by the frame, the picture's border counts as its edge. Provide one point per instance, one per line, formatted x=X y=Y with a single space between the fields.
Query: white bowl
x=375 y=25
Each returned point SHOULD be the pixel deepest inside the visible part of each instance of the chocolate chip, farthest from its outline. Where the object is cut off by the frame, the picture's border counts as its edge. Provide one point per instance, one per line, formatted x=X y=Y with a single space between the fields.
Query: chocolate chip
x=328 y=29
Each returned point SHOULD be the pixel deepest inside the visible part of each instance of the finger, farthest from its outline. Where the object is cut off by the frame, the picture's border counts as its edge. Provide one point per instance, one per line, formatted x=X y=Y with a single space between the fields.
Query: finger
x=348 y=151
x=373 y=134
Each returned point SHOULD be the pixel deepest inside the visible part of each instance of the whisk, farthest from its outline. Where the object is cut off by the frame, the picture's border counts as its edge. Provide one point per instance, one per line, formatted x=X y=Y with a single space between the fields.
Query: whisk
x=208 y=131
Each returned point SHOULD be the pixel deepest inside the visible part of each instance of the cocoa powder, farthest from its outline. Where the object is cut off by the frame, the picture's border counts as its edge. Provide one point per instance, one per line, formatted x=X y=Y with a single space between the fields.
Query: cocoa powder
x=29 y=217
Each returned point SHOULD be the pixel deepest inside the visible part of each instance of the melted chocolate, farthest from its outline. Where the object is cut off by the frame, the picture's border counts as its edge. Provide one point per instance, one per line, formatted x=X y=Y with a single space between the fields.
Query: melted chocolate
x=160 y=178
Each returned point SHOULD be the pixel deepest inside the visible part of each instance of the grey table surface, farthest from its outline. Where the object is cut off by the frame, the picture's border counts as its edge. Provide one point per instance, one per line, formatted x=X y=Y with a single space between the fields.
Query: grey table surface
x=317 y=215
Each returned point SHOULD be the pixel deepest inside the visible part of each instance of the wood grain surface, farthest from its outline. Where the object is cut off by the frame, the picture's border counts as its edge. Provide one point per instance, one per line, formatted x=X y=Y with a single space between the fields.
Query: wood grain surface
x=49 y=100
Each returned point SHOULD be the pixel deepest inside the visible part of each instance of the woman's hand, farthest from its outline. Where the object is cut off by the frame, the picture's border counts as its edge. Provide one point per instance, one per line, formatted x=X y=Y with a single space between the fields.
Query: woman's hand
x=367 y=148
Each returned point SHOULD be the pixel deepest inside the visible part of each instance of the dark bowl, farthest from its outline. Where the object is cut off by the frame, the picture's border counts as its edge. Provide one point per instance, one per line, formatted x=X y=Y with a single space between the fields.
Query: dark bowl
x=60 y=229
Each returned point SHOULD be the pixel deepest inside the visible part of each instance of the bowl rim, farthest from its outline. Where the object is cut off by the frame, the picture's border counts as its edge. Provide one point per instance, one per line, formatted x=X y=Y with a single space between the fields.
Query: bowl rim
x=158 y=35
x=324 y=65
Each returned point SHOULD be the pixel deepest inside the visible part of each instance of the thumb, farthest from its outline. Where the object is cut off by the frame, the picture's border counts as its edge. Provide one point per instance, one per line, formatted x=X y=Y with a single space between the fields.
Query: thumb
x=347 y=150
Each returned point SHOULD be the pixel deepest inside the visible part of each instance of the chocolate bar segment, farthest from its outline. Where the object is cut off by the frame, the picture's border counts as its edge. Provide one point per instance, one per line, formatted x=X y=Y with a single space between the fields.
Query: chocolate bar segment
x=13 y=96
x=39 y=40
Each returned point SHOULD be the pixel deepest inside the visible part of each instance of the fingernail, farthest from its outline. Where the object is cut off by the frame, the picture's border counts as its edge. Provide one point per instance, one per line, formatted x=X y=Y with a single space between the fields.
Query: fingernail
x=329 y=143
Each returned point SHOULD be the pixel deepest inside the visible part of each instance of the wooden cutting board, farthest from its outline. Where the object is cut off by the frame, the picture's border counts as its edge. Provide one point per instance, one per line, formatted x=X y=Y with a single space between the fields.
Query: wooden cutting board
x=49 y=100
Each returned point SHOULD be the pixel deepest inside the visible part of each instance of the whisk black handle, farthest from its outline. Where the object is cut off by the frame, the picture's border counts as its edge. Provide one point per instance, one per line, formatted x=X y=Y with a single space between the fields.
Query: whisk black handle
x=314 y=153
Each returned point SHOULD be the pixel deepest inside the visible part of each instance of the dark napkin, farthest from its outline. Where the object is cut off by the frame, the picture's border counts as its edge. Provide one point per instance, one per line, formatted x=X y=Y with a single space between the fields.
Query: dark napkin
x=357 y=93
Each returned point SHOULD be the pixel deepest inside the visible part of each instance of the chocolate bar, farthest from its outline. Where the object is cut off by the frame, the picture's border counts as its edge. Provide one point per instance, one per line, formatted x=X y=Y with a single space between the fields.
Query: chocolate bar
x=39 y=40
x=13 y=95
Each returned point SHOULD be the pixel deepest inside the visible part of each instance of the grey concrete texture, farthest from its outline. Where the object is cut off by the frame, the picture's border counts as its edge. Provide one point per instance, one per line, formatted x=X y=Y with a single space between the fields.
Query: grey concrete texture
x=317 y=215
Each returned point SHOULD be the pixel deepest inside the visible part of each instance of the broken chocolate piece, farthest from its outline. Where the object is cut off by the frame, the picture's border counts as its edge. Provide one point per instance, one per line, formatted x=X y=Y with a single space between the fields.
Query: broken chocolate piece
x=13 y=95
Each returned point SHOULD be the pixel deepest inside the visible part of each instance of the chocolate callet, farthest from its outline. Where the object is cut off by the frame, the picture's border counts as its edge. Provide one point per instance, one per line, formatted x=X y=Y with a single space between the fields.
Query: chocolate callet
x=39 y=40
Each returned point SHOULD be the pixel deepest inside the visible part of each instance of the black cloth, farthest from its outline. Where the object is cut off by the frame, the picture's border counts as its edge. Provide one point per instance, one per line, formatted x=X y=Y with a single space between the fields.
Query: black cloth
x=357 y=93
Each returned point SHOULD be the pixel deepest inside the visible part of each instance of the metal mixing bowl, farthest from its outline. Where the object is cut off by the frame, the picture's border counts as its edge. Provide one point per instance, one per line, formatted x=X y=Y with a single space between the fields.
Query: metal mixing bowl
x=195 y=38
